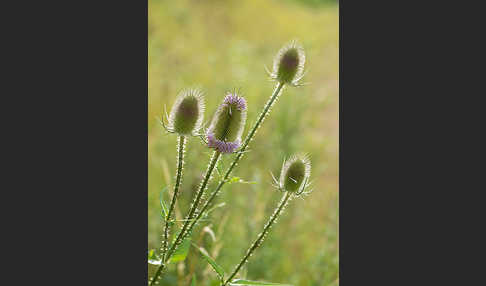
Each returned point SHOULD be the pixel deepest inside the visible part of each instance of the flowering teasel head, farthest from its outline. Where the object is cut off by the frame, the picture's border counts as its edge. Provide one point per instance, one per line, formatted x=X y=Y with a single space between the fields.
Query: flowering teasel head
x=288 y=64
x=224 y=133
x=187 y=113
x=295 y=174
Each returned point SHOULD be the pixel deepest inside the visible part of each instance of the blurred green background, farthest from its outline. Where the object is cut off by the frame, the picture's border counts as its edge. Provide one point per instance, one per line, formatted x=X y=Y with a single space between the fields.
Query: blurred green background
x=221 y=45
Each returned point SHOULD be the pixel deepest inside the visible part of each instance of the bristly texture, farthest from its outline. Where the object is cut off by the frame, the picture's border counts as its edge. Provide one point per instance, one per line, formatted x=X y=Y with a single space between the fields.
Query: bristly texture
x=249 y=137
x=295 y=172
x=187 y=113
x=266 y=229
x=233 y=99
x=224 y=133
x=288 y=65
x=221 y=146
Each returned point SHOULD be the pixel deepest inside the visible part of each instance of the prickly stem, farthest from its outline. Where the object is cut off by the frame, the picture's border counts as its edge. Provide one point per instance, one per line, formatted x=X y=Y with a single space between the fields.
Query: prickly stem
x=190 y=216
x=180 y=165
x=247 y=141
x=261 y=236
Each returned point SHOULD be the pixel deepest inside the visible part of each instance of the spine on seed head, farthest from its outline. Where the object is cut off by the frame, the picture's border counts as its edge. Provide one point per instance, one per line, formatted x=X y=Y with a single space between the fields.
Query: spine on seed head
x=295 y=171
x=224 y=133
x=288 y=64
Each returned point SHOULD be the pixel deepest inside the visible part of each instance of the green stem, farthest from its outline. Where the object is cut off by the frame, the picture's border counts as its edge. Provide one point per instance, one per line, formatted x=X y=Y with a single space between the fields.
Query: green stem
x=261 y=236
x=248 y=138
x=178 y=240
x=180 y=163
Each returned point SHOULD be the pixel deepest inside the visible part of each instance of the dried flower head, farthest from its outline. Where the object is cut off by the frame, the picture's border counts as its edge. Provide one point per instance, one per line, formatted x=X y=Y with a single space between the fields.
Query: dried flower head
x=187 y=112
x=288 y=65
x=295 y=173
x=224 y=133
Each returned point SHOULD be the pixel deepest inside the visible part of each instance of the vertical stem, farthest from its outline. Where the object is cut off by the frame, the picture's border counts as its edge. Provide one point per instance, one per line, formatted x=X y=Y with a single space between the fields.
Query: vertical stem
x=248 y=138
x=180 y=163
x=178 y=240
x=261 y=236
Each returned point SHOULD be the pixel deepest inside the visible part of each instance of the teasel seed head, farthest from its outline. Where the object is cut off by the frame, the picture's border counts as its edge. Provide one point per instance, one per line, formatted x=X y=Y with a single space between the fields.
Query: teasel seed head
x=187 y=112
x=288 y=64
x=295 y=174
x=224 y=133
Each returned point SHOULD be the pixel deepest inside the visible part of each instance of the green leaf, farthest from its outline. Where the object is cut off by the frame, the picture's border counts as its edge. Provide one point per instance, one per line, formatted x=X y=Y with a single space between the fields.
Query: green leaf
x=151 y=253
x=218 y=269
x=163 y=206
x=254 y=283
x=193 y=283
x=215 y=207
x=239 y=180
x=181 y=251
x=155 y=261
x=219 y=171
x=152 y=258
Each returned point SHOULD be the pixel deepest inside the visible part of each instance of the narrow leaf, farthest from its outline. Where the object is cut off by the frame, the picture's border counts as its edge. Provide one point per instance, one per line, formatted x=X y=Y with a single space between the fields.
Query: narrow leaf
x=181 y=252
x=254 y=283
x=152 y=258
x=193 y=283
x=155 y=261
x=151 y=253
x=239 y=180
x=234 y=180
x=215 y=207
x=218 y=269
x=163 y=206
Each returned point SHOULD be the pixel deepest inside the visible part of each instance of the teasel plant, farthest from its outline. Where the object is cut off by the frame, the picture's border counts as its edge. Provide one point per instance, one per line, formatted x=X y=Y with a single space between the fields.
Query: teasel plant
x=288 y=69
x=294 y=181
x=224 y=136
x=185 y=120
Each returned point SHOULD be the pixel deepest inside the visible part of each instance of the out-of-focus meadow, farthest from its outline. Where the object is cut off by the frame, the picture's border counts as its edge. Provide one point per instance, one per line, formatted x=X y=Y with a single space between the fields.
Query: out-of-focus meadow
x=226 y=44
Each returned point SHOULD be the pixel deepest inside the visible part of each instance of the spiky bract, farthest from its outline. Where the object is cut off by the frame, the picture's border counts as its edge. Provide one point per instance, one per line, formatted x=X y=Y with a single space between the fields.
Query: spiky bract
x=295 y=171
x=224 y=133
x=288 y=64
x=187 y=112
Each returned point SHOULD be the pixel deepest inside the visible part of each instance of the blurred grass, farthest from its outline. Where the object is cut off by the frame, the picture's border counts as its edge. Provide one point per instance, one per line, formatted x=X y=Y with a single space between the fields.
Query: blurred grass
x=220 y=45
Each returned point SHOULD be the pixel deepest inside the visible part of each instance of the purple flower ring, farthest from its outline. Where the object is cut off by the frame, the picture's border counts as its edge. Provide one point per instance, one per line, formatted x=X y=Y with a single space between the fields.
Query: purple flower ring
x=224 y=133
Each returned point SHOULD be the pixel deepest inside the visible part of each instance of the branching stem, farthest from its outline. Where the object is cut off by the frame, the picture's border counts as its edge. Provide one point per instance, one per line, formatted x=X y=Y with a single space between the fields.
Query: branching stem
x=190 y=216
x=247 y=141
x=190 y=222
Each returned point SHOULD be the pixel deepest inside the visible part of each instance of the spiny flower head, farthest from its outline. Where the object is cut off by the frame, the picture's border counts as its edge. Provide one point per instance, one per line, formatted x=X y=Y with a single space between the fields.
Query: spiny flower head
x=288 y=64
x=187 y=112
x=224 y=133
x=295 y=171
